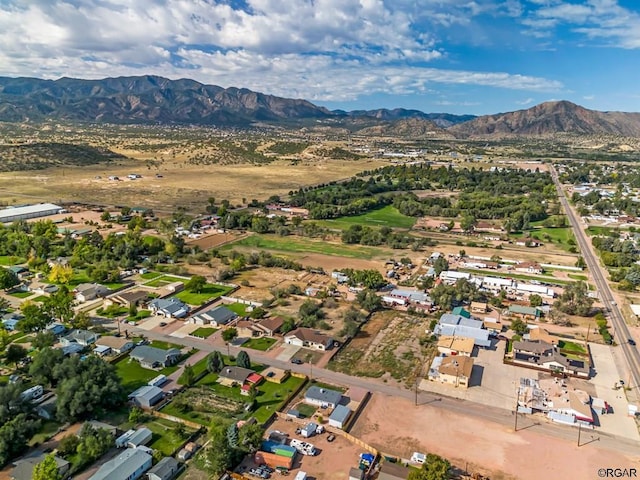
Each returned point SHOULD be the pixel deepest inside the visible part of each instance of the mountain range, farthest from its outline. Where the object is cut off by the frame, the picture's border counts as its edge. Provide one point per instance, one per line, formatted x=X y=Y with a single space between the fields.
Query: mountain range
x=157 y=100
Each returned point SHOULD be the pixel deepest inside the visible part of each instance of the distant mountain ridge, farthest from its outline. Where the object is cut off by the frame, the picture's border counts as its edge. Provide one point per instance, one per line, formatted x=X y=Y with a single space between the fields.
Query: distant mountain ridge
x=157 y=100
x=549 y=118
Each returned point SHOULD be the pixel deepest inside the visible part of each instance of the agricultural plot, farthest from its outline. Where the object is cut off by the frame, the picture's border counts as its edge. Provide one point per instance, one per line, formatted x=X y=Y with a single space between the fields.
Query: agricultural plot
x=388 y=216
x=294 y=245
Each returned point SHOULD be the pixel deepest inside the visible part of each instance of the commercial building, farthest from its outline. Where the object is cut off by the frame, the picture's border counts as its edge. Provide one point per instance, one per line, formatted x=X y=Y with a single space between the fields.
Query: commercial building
x=11 y=214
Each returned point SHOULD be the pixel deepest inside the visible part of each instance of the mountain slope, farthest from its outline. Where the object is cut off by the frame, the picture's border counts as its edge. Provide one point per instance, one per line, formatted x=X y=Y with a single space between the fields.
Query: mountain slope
x=143 y=99
x=442 y=120
x=549 y=118
x=406 y=127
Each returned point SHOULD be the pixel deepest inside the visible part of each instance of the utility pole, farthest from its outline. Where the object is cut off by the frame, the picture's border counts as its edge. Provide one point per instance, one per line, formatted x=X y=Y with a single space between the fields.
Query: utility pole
x=515 y=413
x=579 y=431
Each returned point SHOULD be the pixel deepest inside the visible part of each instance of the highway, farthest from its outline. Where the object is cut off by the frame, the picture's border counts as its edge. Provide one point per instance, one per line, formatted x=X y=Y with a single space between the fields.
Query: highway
x=620 y=330
x=454 y=405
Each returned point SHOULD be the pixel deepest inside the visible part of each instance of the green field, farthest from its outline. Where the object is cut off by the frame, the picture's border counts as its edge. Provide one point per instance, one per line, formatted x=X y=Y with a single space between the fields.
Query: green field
x=204 y=332
x=262 y=343
x=150 y=275
x=296 y=245
x=575 y=276
x=21 y=294
x=560 y=235
x=239 y=308
x=596 y=230
x=134 y=376
x=164 y=280
x=209 y=292
x=388 y=216
x=165 y=437
x=10 y=260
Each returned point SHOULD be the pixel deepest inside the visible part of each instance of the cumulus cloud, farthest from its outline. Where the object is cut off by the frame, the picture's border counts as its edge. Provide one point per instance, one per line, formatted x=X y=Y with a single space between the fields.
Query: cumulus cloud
x=316 y=49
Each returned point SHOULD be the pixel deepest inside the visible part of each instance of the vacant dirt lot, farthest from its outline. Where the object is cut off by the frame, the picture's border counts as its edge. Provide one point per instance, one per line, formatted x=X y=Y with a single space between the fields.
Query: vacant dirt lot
x=488 y=448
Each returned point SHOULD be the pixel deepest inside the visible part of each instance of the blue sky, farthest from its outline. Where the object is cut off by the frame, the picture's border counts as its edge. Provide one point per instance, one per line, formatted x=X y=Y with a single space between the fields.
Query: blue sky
x=457 y=56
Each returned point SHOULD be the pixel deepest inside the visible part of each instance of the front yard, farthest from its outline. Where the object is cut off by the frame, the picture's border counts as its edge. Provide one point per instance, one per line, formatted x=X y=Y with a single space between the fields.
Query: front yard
x=261 y=343
x=203 y=332
x=134 y=376
x=209 y=292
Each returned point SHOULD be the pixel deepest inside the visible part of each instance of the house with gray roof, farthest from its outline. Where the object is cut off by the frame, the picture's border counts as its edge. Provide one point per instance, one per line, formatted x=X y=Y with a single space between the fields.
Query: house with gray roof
x=171 y=307
x=85 y=292
x=339 y=416
x=24 y=468
x=166 y=469
x=232 y=374
x=140 y=437
x=322 y=397
x=129 y=465
x=152 y=357
x=80 y=337
x=146 y=396
x=460 y=326
x=216 y=316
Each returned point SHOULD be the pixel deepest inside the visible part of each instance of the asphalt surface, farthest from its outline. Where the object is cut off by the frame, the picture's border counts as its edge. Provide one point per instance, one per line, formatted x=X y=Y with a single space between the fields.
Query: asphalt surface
x=458 y=406
x=620 y=331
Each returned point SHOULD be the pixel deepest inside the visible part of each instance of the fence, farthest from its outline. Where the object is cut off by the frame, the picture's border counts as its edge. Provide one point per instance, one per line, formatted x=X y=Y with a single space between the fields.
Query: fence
x=225 y=298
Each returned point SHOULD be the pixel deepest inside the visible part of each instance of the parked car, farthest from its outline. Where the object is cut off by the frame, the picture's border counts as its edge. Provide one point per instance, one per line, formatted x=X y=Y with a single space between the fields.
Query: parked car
x=331 y=437
x=297 y=361
x=163 y=324
x=632 y=342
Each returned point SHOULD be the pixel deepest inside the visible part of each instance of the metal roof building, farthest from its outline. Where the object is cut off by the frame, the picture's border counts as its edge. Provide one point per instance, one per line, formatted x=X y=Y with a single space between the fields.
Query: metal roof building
x=25 y=212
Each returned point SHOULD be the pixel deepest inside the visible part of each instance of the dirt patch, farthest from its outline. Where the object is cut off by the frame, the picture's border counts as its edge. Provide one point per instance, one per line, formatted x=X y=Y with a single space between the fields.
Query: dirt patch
x=330 y=263
x=481 y=446
x=207 y=242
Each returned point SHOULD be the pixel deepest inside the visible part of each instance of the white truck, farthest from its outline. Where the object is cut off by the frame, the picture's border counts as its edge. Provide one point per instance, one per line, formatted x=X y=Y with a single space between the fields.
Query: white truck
x=301 y=476
x=303 y=447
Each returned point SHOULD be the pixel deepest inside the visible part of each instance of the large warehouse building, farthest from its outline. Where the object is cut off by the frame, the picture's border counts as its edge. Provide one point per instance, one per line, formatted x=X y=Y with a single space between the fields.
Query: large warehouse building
x=11 y=214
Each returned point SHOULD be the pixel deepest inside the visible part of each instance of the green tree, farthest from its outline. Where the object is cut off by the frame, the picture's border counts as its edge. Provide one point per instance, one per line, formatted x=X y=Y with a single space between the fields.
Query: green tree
x=34 y=318
x=94 y=442
x=43 y=339
x=215 y=362
x=43 y=364
x=434 y=468
x=61 y=274
x=229 y=334
x=47 y=469
x=232 y=435
x=136 y=415
x=519 y=326
x=243 y=359
x=68 y=445
x=288 y=325
x=196 y=284
x=580 y=263
x=219 y=453
x=8 y=279
x=535 y=300
x=368 y=300
x=467 y=223
x=575 y=300
x=60 y=305
x=188 y=375
x=81 y=320
x=15 y=353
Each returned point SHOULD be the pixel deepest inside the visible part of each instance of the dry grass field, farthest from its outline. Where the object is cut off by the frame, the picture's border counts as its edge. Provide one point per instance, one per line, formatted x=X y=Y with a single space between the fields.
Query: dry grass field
x=180 y=184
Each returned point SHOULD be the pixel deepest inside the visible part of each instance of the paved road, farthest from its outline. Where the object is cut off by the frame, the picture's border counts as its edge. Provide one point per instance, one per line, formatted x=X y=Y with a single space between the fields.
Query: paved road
x=620 y=330
x=461 y=407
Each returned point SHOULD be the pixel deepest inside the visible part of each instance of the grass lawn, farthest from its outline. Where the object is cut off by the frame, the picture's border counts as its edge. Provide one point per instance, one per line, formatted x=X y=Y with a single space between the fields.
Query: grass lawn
x=150 y=275
x=204 y=332
x=78 y=277
x=306 y=410
x=388 y=216
x=40 y=298
x=595 y=230
x=198 y=368
x=142 y=314
x=165 y=437
x=328 y=386
x=114 y=285
x=21 y=294
x=273 y=396
x=560 y=235
x=262 y=343
x=25 y=339
x=48 y=428
x=571 y=346
x=576 y=276
x=164 y=280
x=163 y=345
x=10 y=260
x=239 y=308
x=134 y=376
x=209 y=292
x=295 y=245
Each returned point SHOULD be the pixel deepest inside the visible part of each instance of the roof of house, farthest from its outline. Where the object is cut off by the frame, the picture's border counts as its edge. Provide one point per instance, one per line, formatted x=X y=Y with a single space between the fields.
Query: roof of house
x=133 y=296
x=340 y=414
x=146 y=392
x=323 y=395
x=88 y=287
x=220 y=314
x=237 y=374
x=523 y=310
x=478 y=305
x=537 y=346
x=461 y=311
x=533 y=265
x=24 y=468
x=164 y=467
x=105 y=426
x=254 y=378
x=456 y=366
x=80 y=335
x=141 y=435
x=171 y=305
x=272 y=323
x=393 y=471
x=309 y=335
x=455 y=319
x=72 y=348
x=457 y=344
x=122 y=466
x=539 y=333
x=113 y=342
x=150 y=354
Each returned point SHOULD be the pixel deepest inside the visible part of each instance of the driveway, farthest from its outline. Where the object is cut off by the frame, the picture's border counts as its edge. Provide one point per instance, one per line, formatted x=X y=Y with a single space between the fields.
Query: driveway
x=154 y=322
x=184 y=330
x=288 y=351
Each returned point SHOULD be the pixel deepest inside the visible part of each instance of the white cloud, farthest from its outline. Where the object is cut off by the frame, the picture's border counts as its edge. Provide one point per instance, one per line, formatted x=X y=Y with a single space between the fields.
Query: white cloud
x=316 y=49
x=525 y=102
